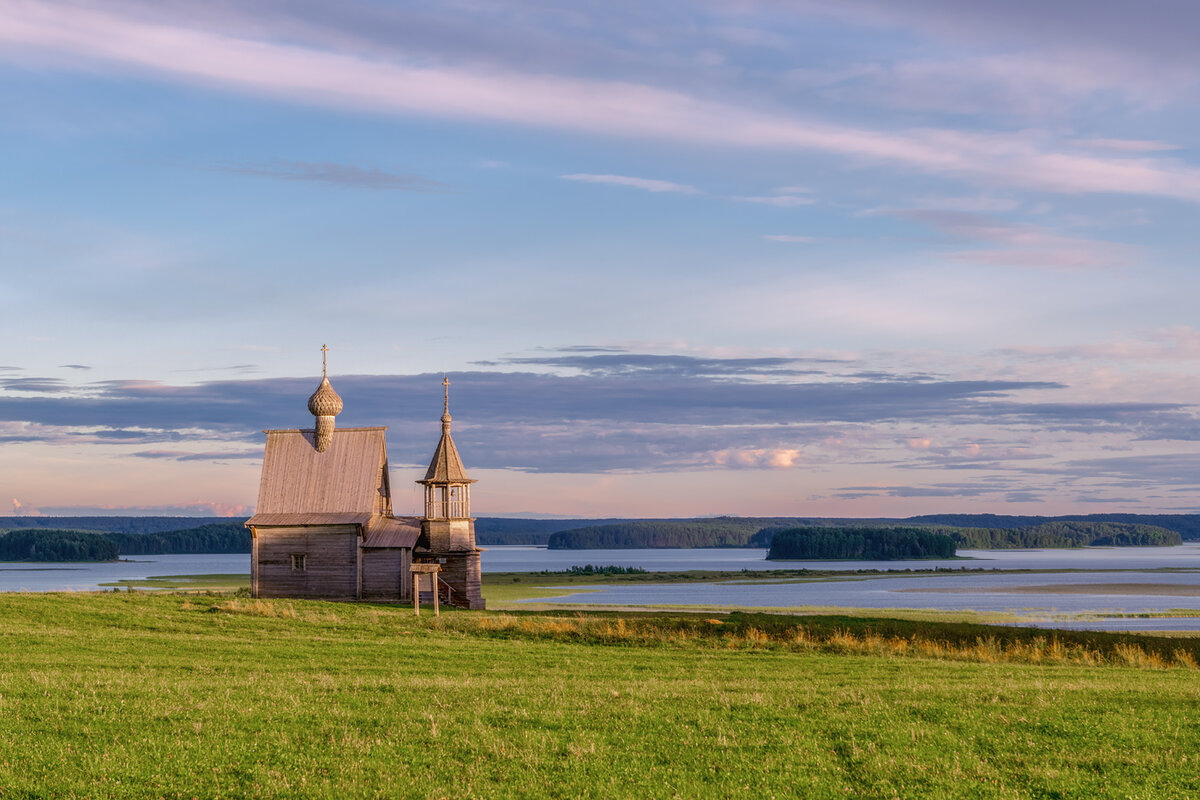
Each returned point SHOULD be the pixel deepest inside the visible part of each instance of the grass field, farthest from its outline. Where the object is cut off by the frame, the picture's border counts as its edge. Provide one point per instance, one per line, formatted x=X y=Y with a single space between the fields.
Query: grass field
x=158 y=695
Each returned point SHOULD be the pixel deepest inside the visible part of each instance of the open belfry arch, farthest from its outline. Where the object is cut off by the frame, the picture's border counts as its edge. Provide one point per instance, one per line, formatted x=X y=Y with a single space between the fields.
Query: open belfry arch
x=324 y=528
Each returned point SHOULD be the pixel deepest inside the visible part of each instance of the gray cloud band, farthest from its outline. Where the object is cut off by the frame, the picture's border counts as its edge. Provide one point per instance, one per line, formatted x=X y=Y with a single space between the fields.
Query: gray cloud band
x=622 y=412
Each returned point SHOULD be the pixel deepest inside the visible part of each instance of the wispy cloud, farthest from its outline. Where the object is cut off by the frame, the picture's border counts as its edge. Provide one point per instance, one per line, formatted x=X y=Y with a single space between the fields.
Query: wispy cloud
x=340 y=174
x=783 y=237
x=1018 y=244
x=392 y=83
x=240 y=368
x=42 y=385
x=1125 y=145
x=73 y=366
x=778 y=200
x=590 y=362
x=645 y=184
x=1179 y=343
x=186 y=455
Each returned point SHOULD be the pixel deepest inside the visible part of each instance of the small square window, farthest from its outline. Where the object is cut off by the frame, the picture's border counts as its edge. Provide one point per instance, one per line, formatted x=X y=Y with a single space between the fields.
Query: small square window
x=298 y=561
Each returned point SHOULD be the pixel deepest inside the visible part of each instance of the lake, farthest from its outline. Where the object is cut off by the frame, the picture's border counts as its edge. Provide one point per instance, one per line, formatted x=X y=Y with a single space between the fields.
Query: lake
x=1109 y=579
x=515 y=558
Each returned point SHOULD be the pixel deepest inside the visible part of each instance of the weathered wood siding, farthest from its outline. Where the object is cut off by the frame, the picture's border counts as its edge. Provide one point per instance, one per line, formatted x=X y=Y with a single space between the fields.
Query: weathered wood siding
x=461 y=570
x=386 y=574
x=331 y=562
x=449 y=534
x=349 y=477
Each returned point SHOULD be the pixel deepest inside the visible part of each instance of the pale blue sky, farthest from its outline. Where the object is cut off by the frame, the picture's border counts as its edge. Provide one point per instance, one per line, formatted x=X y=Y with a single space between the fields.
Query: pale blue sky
x=678 y=258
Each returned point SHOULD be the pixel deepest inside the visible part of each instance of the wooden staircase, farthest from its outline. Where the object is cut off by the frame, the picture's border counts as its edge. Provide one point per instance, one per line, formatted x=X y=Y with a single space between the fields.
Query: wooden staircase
x=446 y=596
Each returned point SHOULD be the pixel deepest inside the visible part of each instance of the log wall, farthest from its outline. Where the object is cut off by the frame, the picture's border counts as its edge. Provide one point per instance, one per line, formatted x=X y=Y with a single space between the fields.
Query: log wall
x=386 y=574
x=331 y=562
x=461 y=570
x=449 y=534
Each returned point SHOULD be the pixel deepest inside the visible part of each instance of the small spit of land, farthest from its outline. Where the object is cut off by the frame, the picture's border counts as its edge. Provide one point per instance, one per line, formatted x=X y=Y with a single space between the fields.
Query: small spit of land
x=129 y=694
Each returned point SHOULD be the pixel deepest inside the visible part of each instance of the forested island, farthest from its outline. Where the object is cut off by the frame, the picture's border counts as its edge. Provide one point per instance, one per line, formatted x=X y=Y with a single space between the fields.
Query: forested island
x=94 y=538
x=758 y=532
x=883 y=543
x=719 y=532
x=1066 y=533
x=859 y=543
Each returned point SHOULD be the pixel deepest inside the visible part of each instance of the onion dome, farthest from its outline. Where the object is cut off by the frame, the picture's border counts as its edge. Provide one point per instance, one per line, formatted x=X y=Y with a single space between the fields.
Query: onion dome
x=325 y=402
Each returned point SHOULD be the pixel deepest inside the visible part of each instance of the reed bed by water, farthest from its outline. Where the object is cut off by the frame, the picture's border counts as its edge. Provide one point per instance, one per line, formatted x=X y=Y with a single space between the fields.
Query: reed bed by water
x=891 y=638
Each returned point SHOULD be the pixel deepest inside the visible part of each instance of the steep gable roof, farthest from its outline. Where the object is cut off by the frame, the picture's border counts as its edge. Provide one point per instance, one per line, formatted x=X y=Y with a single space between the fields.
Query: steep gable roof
x=347 y=480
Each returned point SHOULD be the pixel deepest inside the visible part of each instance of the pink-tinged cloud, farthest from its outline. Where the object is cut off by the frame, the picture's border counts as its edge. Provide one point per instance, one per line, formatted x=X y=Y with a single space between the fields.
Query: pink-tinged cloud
x=645 y=184
x=756 y=458
x=1025 y=84
x=71 y=35
x=1018 y=244
x=1126 y=145
x=22 y=510
x=1178 y=343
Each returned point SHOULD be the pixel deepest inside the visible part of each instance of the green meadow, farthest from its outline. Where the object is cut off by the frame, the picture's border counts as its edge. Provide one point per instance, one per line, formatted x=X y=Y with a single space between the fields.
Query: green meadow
x=130 y=694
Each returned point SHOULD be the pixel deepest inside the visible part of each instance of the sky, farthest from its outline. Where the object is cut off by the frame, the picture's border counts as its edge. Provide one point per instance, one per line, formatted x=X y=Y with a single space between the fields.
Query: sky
x=677 y=258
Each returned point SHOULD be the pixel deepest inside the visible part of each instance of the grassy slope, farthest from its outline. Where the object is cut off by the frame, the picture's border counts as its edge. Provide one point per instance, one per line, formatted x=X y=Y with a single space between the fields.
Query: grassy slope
x=131 y=695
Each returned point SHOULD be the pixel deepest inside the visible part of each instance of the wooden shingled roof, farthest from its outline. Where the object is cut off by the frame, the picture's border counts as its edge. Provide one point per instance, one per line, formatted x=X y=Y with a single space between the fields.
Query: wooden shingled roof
x=344 y=484
x=447 y=465
x=392 y=532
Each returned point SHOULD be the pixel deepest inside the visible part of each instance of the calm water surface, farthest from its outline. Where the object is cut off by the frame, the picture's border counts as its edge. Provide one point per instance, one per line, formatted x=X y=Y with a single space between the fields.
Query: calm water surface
x=950 y=592
x=23 y=576
x=972 y=591
x=513 y=558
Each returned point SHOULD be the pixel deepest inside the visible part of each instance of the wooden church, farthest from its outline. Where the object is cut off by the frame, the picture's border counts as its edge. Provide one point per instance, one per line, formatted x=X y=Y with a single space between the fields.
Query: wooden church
x=324 y=528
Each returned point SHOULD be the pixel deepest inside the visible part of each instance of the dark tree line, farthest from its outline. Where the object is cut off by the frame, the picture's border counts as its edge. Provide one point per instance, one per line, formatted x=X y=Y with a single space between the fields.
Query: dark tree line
x=221 y=537
x=1066 y=533
x=56 y=545
x=1186 y=525
x=658 y=534
x=67 y=545
x=110 y=524
x=861 y=543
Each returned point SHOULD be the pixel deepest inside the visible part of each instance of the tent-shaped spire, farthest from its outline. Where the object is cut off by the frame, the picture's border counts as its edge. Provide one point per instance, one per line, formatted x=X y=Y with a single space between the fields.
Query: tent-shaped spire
x=447 y=465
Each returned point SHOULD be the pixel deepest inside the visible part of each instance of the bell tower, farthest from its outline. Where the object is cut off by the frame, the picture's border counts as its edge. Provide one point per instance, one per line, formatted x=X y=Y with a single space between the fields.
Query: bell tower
x=448 y=529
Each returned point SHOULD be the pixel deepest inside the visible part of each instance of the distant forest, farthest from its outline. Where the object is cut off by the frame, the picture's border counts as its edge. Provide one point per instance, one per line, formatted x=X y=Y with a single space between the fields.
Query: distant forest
x=70 y=545
x=113 y=524
x=1186 y=525
x=56 y=545
x=1019 y=532
x=157 y=535
x=725 y=532
x=758 y=532
x=509 y=530
x=861 y=543
x=1065 y=533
